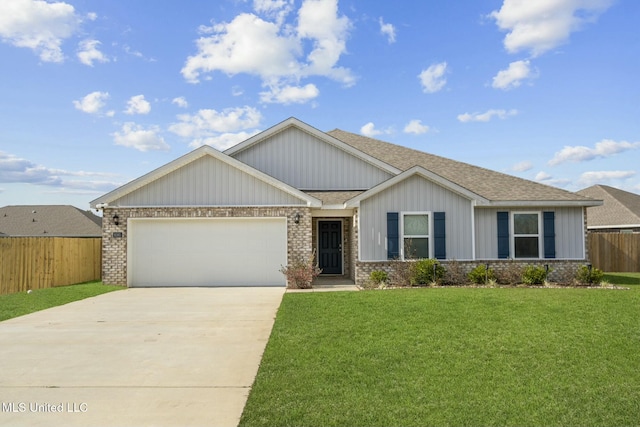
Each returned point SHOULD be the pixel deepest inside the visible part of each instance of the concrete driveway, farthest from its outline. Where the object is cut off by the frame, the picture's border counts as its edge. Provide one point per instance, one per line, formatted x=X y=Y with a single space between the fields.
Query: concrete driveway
x=137 y=357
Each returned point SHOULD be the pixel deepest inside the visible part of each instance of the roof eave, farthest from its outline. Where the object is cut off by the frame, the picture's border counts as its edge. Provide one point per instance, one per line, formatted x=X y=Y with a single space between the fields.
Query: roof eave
x=544 y=203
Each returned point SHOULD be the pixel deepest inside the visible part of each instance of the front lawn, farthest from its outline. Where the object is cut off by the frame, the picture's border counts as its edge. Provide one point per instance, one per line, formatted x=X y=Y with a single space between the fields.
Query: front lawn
x=19 y=304
x=452 y=356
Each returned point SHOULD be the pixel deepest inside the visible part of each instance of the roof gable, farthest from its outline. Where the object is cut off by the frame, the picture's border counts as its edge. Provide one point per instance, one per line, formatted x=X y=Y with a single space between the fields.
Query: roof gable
x=424 y=173
x=496 y=187
x=292 y=122
x=205 y=159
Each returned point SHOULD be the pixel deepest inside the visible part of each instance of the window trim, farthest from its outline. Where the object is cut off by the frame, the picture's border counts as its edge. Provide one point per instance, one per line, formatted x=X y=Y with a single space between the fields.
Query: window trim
x=513 y=235
x=429 y=236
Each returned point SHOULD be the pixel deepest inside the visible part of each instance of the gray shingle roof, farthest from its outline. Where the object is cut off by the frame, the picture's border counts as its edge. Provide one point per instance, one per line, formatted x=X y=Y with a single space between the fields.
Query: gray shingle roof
x=49 y=221
x=621 y=208
x=492 y=185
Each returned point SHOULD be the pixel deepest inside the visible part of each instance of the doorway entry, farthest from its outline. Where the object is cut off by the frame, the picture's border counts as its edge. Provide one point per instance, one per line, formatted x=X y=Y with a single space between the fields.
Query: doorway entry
x=330 y=246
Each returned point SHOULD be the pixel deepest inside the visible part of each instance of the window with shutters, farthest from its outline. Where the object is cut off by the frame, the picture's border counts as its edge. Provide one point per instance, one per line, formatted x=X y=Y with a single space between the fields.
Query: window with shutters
x=526 y=234
x=415 y=235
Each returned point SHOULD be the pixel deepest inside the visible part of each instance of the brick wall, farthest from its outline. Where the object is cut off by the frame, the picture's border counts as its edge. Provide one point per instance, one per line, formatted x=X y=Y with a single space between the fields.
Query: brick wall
x=114 y=249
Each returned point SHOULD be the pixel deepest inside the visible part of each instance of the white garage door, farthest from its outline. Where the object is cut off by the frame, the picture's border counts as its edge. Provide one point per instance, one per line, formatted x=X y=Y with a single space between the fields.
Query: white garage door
x=206 y=252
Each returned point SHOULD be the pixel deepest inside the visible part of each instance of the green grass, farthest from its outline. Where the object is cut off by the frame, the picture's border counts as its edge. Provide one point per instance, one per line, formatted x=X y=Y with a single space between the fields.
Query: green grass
x=452 y=356
x=19 y=304
x=624 y=279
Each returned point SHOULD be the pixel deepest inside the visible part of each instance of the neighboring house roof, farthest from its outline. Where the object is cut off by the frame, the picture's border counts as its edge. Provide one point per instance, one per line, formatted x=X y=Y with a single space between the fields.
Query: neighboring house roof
x=621 y=209
x=493 y=186
x=49 y=221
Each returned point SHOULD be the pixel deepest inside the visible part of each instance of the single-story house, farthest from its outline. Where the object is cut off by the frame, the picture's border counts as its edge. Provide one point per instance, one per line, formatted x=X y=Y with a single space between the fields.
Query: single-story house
x=234 y=218
x=48 y=221
x=620 y=212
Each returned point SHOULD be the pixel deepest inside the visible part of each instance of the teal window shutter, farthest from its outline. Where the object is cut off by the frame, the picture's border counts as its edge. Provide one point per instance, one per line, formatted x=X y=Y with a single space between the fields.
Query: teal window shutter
x=393 y=236
x=549 y=227
x=439 y=236
x=503 y=235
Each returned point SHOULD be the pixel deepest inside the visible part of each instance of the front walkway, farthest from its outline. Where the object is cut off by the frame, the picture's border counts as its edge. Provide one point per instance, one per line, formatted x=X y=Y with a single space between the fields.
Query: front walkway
x=329 y=284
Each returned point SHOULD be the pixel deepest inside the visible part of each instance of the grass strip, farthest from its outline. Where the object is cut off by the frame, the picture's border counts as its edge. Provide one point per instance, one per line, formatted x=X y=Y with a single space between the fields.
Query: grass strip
x=21 y=303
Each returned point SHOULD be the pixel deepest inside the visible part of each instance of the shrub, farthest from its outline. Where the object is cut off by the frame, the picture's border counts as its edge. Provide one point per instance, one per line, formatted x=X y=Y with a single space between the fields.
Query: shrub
x=301 y=272
x=400 y=274
x=426 y=271
x=511 y=274
x=589 y=276
x=534 y=275
x=481 y=275
x=379 y=277
x=455 y=274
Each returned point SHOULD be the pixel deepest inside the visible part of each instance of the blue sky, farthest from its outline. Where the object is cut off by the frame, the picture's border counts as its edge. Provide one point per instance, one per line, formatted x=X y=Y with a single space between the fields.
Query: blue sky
x=95 y=94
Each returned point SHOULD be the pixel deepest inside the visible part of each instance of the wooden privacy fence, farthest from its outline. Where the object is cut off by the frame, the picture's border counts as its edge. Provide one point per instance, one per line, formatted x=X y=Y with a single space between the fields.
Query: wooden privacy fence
x=44 y=262
x=615 y=252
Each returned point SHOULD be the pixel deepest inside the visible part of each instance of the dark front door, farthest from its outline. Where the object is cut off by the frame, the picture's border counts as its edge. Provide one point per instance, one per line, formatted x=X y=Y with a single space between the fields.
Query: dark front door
x=330 y=247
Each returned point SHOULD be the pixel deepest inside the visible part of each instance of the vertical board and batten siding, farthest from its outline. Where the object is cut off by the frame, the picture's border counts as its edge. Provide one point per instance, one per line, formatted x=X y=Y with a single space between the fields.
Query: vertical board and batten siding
x=569 y=231
x=413 y=195
x=207 y=181
x=305 y=162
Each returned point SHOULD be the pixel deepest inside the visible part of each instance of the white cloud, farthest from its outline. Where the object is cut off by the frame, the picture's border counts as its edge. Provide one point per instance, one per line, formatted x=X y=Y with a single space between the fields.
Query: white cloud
x=38 y=25
x=278 y=9
x=416 y=127
x=138 y=105
x=543 y=176
x=92 y=103
x=275 y=51
x=522 y=166
x=220 y=129
x=580 y=153
x=513 y=76
x=486 y=116
x=541 y=25
x=290 y=94
x=598 y=177
x=17 y=170
x=136 y=136
x=224 y=140
x=369 y=130
x=432 y=79
x=180 y=101
x=388 y=30
x=88 y=52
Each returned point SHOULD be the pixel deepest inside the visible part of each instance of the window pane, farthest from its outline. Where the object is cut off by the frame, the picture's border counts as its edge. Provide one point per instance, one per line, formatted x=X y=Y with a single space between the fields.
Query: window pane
x=525 y=223
x=416 y=248
x=416 y=225
x=526 y=247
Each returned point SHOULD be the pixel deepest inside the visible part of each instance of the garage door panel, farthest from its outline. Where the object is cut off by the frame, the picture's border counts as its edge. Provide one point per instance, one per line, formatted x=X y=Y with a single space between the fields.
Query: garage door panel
x=207 y=252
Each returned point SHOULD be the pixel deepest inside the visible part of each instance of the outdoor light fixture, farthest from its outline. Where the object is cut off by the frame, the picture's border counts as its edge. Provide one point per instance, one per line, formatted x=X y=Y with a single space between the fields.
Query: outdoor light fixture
x=296 y=218
x=116 y=219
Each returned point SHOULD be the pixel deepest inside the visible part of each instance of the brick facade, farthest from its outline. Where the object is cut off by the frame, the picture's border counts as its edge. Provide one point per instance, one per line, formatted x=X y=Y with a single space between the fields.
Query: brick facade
x=114 y=247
